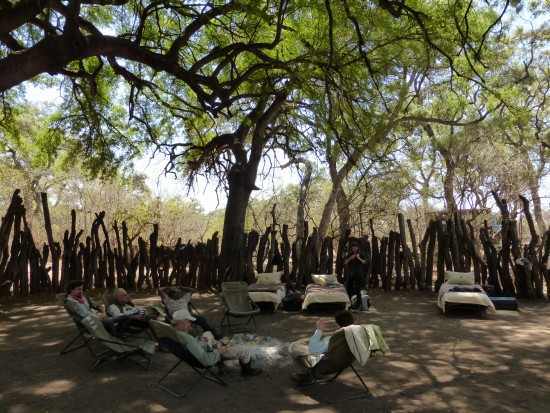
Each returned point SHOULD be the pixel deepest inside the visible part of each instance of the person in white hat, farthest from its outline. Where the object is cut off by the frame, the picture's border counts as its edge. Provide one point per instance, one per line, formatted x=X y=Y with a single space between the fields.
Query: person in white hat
x=211 y=355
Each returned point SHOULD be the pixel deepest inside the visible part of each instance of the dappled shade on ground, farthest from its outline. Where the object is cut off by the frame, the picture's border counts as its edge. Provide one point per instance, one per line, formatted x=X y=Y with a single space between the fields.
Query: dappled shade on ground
x=457 y=363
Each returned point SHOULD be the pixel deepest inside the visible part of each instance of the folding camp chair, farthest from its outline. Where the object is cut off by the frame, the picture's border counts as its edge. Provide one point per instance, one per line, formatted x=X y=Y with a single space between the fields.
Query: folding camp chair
x=117 y=349
x=83 y=338
x=340 y=356
x=237 y=303
x=311 y=379
x=168 y=338
x=190 y=306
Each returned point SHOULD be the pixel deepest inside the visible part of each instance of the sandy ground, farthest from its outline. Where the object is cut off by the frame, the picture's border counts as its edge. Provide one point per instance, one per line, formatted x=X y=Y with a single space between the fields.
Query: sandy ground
x=457 y=363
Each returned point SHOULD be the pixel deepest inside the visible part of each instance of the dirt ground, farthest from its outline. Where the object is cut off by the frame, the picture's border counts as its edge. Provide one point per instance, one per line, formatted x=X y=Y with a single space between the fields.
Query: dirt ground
x=457 y=363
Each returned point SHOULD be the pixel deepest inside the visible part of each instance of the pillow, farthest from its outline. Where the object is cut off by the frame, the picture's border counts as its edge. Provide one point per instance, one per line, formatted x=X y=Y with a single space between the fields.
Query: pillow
x=324 y=279
x=460 y=278
x=269 y=277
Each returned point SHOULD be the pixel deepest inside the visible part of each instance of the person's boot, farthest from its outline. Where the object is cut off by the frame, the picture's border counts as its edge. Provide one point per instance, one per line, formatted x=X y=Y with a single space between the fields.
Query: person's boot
x=222 y=368
x=247 y=369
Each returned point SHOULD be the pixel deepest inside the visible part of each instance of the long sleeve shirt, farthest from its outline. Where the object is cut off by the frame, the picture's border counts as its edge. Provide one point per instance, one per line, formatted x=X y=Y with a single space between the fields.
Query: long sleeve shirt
x=84 y=307
x=201 y=350
x=318 y=345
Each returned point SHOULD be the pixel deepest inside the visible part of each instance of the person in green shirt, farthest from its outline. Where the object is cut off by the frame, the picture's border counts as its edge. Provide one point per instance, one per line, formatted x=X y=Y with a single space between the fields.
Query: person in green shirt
x=209 y=355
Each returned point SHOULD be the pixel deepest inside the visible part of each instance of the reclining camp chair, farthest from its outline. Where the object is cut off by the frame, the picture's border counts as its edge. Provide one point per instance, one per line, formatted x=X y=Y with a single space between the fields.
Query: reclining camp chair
x=237 y=303
x=349 y=344
x=109 y=299
x=117 y=349
x=83 y=338
x=167 y=336
x=168 y=317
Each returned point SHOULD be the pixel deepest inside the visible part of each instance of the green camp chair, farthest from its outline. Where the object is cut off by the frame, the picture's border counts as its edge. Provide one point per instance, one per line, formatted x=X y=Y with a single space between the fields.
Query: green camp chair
x=168 y=337
x=339 y=357
x=83 y=338
x=237 y=303
x=117 y=349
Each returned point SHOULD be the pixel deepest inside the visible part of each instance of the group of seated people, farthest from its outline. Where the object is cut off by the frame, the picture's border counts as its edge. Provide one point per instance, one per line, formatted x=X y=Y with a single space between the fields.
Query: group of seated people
x=123 y=313
x=207 y=349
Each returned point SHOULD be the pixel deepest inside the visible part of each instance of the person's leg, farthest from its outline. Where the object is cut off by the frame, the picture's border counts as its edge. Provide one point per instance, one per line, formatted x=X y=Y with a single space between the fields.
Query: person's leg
x=242 y=353
x=237 y=352
x=353 y=288
x=203 y=323
x=359 y=303
x=122 y=322
x=109 y=325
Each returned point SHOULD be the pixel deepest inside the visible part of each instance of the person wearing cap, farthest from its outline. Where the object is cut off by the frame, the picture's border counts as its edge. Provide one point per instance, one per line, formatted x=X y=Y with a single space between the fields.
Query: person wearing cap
x=210 y=353
x=174 y=301
x=355 y=261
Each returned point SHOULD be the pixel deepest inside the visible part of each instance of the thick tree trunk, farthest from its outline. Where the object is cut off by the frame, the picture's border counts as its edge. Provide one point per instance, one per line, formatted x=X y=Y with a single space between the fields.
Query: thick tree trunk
x=342 y=204
x=54 y=251
x=285 y=252
x=374 y=258
x=415 y=262
x=234 y=221
x=302 y=199
x=430 y=251
x=406 y=252
x=506 y=279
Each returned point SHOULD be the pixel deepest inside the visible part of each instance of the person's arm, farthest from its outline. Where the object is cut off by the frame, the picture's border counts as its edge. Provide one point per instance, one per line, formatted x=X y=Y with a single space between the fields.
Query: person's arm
x=162 y=292
x=95 y=306
x=316 y=344
x=188 y=290
x=198 y=350
x=361 y=257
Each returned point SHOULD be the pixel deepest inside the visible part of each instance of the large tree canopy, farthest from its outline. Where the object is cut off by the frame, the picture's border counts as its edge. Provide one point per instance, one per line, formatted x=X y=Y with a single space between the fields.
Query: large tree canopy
x=217 y=84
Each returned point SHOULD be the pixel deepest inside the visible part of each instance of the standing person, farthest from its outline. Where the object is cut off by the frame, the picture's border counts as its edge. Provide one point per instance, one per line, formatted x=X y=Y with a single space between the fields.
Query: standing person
x=116 y=326
x=174 y=301
x=355 y=261
x=206 y=351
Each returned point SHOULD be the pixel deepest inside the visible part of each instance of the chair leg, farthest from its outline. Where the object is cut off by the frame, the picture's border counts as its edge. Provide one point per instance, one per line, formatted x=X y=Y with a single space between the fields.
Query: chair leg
x=86 y=343
x=311 y=380
x=99 y=363
x=109 y=357
x=207 y=373
x=366 y=392
x=69 y=347
x=227 y=318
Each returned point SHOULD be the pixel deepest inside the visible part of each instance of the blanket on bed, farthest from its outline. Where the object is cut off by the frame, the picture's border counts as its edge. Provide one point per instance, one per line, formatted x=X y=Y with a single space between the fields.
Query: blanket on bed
x=464 y=294
x=266 y=288
x=323 y=294
x=267 y=293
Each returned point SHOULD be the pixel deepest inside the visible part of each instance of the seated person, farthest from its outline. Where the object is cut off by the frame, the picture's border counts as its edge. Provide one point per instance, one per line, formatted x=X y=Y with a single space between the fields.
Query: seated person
x=207 y=351
x=318 y=346
x=173 y=301
x=116 y=326
x=123 y=305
